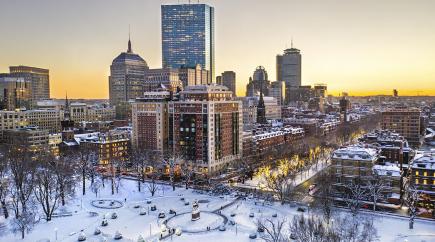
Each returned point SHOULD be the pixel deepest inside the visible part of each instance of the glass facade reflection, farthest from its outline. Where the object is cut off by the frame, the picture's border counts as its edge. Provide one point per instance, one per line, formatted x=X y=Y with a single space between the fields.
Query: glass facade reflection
x=188 y=36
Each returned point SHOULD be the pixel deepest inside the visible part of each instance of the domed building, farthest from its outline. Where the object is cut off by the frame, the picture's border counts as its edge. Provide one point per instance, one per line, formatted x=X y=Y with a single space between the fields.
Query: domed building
x=126 y=80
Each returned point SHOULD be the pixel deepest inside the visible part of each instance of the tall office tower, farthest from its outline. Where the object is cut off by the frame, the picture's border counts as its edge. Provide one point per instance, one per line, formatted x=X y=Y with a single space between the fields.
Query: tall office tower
x=277 y=91
x=259 y=80
x=126 y=80
x=228 y=79
x=188 y=36
x=206 y=126
x=14 y=93
x=38 y=78
x=288 y=68
x=406 y=122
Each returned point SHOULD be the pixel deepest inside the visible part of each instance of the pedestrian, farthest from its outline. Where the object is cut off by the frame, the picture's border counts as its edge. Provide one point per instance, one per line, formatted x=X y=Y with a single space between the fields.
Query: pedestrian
x=125 y=199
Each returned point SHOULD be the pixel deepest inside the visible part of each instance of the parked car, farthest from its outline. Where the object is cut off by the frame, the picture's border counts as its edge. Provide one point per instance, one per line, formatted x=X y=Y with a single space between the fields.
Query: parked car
x=162 y=215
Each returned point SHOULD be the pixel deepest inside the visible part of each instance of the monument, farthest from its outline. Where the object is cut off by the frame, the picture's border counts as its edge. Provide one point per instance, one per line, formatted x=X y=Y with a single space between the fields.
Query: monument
x=195 y=211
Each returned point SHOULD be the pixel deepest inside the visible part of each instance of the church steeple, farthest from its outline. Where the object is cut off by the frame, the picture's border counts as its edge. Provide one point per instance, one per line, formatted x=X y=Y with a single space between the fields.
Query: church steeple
x=261 y=108
x=66 y=113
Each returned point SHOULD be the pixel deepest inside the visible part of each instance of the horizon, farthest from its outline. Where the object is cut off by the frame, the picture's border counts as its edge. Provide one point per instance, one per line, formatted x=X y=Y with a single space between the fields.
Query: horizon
x=355 y=43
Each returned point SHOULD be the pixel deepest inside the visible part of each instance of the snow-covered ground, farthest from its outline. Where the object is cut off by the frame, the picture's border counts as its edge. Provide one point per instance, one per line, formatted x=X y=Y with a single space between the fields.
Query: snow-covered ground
x=130 y=224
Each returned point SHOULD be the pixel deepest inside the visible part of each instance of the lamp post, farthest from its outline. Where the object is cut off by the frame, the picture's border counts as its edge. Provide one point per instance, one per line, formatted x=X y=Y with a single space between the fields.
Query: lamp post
x=55 y=234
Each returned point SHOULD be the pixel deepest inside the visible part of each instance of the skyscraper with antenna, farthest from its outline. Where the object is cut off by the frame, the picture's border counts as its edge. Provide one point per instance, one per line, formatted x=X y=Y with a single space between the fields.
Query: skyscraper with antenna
x=289 y=68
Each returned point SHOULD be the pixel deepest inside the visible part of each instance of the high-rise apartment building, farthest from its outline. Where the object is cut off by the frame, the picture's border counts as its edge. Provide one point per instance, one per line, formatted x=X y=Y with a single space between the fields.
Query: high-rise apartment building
x=406 y=122
x=205 y=126
x=126 y=80
x=228 y=79
x=150 y=121
x=188 y=36
x=38 y=79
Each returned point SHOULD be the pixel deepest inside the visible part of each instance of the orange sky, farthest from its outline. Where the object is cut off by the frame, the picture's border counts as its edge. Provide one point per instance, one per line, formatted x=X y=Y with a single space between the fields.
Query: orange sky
x=362 y=47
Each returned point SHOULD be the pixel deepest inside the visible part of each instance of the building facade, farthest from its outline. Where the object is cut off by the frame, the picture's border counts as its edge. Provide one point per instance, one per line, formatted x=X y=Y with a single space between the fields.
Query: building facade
x=406 y=122
x=150 y=121
x=38 y=78
x=205 y=126
x=228 y=79
x=188 y=36
x=288 y=68
x=14 y=93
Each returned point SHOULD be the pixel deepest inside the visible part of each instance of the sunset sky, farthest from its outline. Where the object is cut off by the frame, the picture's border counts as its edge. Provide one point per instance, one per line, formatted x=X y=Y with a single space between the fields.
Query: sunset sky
x=362 y=47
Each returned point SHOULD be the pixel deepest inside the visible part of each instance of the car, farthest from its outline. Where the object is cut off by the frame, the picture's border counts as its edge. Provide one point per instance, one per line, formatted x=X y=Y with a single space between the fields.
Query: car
x=232 y=222
x=153 y=208
x=251 y=215
x=82 y=236
x=162 y=215
x=311 y=187
x=142 y=212
x=260 y=229
x=274 y=215
x=114 y=216
x=186 y=203
x=178 y=231
x=117 y=236
x=136 y=206
x=104 y=223
x=253 y=236
x=148 y=201
x=222 y=228
x=172 y=211
x=232 y=214
x=301 y=209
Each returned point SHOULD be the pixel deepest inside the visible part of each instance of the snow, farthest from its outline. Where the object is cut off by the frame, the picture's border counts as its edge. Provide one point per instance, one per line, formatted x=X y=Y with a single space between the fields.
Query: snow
x=130 y=224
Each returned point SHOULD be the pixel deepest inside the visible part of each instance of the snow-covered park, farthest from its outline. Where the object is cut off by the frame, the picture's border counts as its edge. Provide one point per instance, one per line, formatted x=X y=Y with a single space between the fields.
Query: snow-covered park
x=135 y=218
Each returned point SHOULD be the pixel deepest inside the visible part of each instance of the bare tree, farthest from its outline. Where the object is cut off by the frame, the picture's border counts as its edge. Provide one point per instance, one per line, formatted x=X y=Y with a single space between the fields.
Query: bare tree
x=354 y=196
x=349 y=229
x=376 y=186
x=64 y=171
x=309 y=229
x=273 y=229
x=411 y=200
x=187 y=172
x=324 y=193
x=23 y=222
x=87 y=158
x=279 y=181
x=4 y=184
x=153 y=174
x=47 y=191
x=171 y=163
x=23 y=175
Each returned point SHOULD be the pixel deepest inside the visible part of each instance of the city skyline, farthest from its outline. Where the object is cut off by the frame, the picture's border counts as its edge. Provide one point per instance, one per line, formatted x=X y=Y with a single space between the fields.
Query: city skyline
x=360 y=47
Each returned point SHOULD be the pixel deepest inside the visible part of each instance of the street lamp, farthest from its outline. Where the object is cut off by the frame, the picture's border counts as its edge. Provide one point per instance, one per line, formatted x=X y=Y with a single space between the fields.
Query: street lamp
x=55 y=233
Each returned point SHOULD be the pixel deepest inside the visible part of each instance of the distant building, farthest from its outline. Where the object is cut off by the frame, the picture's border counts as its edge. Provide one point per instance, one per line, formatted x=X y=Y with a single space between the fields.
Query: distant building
x=228 y=79
x=277 y=91
x=126 y=80
x=188 y=36
x=112 y=146
x=272 y=110
x=288 y=69
x=194 y=76
x=259 y=80
x=406 y=122
x=30 y=137
x=38 y=79
x=14 y=93
x=162 y=79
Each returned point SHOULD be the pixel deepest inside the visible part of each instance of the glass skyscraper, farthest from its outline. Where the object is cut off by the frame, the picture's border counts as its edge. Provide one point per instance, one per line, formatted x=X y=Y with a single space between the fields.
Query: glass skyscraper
x=188 y=36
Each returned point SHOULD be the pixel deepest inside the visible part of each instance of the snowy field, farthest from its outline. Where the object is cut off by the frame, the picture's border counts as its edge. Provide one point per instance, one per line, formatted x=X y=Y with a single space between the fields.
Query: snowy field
x=130 y=224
